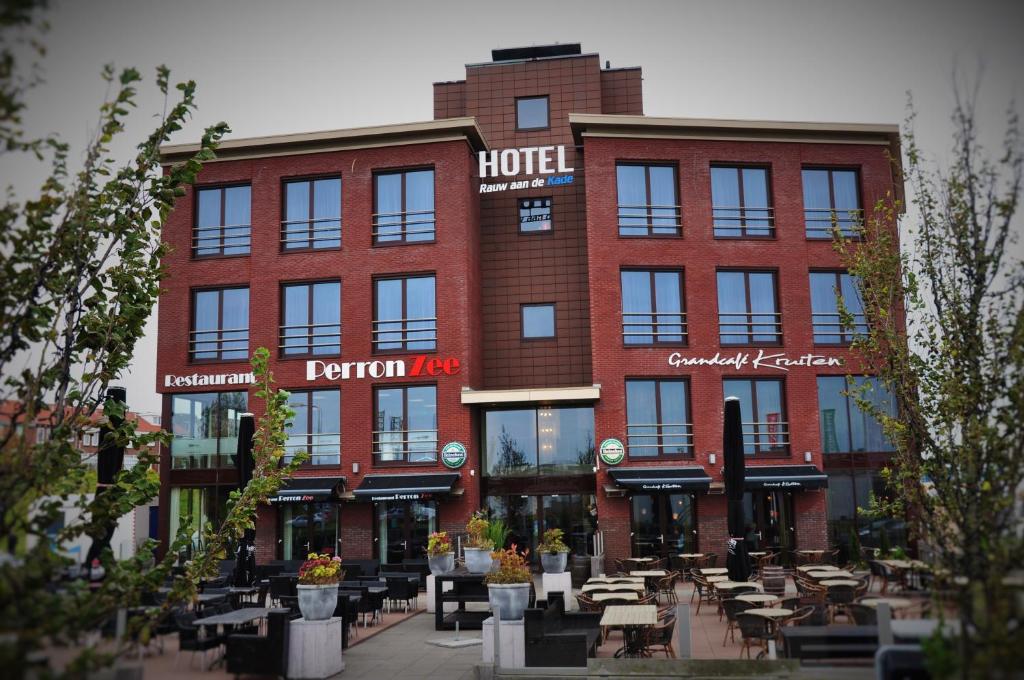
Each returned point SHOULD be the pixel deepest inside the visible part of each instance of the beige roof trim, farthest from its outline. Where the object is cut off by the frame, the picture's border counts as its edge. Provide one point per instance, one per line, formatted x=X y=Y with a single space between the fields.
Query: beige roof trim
x=546 y=394
x=443 y=130
x=589 y=120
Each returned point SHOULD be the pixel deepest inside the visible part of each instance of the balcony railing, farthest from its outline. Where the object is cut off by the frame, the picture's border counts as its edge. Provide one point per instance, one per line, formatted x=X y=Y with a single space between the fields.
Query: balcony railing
x=743 y=221
x=228 y=239
x=766 y=436
x=648 y=328
x=750 y=329
x=403 y=227
x=405 y=446
x=828 y=327
x=310 y=338
x=419 y=333
x=324 y=448
x=655 y=220
x=219 y=343
x=322 y=232
x=820 y=221
x=660 y=439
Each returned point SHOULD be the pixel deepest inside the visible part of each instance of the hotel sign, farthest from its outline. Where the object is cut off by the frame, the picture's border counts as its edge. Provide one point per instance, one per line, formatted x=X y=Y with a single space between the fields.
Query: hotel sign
x=529 y=160
x=779 y=361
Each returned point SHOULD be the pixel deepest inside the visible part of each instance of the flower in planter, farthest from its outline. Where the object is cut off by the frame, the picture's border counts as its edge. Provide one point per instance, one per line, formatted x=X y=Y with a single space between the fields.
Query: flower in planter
x=552 y=542
x=477 y=528
x=512 y=567
x=438 y=543
x=319 y=570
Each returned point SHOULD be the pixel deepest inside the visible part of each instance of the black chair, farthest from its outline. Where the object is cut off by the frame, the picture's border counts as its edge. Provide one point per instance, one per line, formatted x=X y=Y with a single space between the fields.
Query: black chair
x=291 y=603
x=555 y=637
x=282 y=586
x=401 y=589
x=347 y=610
x=193 y=638
x=261 y=654
x=862 y=614
x=756 y=630
x=365 y=604
x=660 y=637
x=731 y=607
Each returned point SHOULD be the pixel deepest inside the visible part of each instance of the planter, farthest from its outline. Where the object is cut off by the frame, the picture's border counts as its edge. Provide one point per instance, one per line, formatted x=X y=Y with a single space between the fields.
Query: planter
x=511 y=598
x=554 y=563
x=317 y=602
x=441 y=564
x=478 y=560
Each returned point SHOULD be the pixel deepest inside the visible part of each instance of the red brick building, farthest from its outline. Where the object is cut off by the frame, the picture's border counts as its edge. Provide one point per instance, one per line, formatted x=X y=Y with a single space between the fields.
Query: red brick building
x=534 y=304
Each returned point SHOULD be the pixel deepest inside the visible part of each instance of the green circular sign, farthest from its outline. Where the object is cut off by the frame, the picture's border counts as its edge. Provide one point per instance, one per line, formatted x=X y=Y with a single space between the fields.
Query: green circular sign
x=612 y=451
x=453 y=455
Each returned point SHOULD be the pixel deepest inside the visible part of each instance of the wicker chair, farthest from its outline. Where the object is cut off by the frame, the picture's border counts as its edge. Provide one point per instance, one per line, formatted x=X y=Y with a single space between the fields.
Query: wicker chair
x=588 y=604
x=731 y=606
x=838 y=597
x=756 y=630
x=862 y=614
x=712 y=559
x=667 y=587
x=703 y=590
x=659 y=638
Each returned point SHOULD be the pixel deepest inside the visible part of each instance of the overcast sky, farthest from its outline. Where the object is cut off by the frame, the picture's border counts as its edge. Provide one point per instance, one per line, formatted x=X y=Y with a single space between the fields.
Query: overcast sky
x=279 y=67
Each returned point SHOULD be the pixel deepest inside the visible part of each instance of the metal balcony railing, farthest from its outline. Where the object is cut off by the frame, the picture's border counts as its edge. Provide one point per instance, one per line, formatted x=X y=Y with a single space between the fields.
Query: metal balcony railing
x=820 y=221
x=743 y=221
x=219 y=343
x=655 y=220
x=750 y=328
x=227 y=239
x=405 y=446
x=660 y=439
x=321 y=232
x=418 y=333
x=403 y=227
x=641 y=328
x=310 y=338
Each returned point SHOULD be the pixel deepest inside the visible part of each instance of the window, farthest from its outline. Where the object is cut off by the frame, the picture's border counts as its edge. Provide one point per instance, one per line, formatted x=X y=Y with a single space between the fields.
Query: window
x=403 y=208
x=537 y=441
x=747 y=311
x=741 y=202
x=312 y=214
x=316 y=428
x=763 y=411
x=405 y=426
x=205 y=428
x=192 y=508
x=648 y=203
x=658 y=418
x=826 y=289
x=845 y=428
x=220 y=324
x=652 y=307
x=404 y=316
x=532 y=113
x=308 y=527
x=223 y=225
x=538 y=321
x=311 y=319
x=830 y=194
x=534 y=215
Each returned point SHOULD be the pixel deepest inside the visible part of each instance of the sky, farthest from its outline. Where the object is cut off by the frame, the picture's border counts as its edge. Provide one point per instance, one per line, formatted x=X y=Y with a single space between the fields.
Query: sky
x=281 y=67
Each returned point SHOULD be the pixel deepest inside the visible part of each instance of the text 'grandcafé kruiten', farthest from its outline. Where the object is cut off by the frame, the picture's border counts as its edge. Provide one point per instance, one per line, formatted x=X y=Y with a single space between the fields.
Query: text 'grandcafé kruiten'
x=535 y=304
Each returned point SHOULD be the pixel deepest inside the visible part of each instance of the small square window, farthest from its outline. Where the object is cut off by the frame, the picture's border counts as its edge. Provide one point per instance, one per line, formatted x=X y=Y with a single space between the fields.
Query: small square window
x=532 y=113
x=535 y=215
x=538 y=321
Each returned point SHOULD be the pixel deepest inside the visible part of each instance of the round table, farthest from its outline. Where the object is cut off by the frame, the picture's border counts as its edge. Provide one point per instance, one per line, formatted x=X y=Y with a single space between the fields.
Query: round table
x=893 y=602
x=839 y=582
x=757 y=598
x=713 y=571
x=770 y=612
x=721 y=578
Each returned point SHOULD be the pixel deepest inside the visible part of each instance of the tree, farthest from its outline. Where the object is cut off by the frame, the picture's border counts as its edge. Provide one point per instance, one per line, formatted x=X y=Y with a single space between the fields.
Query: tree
x=956 y=371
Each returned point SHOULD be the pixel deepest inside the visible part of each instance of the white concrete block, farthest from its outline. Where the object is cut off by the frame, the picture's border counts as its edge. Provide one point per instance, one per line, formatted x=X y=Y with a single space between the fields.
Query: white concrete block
x=314 y=649
x=512 y=643
x=449 y=607
x=558 y=583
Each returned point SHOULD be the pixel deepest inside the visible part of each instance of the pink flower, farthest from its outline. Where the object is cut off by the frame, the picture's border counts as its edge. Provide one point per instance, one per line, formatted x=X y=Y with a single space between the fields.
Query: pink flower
x=336 y=559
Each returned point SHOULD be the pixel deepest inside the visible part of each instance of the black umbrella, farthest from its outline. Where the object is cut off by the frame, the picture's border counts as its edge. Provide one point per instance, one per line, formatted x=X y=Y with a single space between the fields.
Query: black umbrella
x=245 y=554
x=738 y=562
x=109 y=461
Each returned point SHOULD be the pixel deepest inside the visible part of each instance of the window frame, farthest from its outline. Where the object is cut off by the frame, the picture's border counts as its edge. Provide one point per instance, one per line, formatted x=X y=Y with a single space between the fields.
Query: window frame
x=221 y=187
x=403 y=233
x=688 y=416
x=311 y=180
x=311 y=337
x=846 y=337
x=375 y=453
x=785 y=451
x=551 y=213
x=769 y=192
x=193 y=296
x=649 y=207
x=309 y=462
x=547 y=113
x=685 y=341
x=851 y=406
x=749 y=335
x=554 y=322
x=374 y=321
x=856 y=170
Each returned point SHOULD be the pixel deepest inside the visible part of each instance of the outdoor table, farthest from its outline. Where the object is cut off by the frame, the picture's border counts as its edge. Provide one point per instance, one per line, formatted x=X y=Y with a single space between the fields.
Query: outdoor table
x=829 y=582
x=632 y=618
x=816 y=567
x=713 y=571
x=691 y=555
x=770 y=612
x=893 y=602
x=623 y=595
x=717 y=579
x=238 y=617
x=729 y=585
x=625 y=587
x=641 y=559
x=758 y=598
x=649 y=573
x=757 y=553
x=834 y=573
x=615 y=579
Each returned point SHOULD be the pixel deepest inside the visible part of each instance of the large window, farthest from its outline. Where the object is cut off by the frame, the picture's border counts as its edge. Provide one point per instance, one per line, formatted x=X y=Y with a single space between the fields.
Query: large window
x=658 y=419
x=223 y=225
x=405 y=424
x=404 y=314
x=403 y=208
x=763 y=411
x=845 y=427
x=311 y=319
x=538 y=321
x=831 y=198
x=529 y=516
x=534 y=215
x=205 y=429
x=220 y=324
x=316 y=427
x=741 y=202
x=747 y=309
x=539 y=441
x=532 y=113
x=652 y=307
x=312 y=214
x=826 y=289
x=309 y=527
x=192 y=508
x=648 y=200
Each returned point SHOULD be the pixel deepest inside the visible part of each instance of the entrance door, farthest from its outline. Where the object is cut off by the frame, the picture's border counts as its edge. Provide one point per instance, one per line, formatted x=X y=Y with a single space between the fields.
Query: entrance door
x=309 y=527
x=663 y=524
x=403 y=528
x=770 y=522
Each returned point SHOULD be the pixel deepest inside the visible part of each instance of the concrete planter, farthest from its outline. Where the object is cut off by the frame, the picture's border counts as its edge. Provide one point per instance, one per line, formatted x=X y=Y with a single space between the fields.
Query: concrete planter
x=554 y=563
x=478 y=560
x=511 y=598
x=317 y=602
x=441 y=564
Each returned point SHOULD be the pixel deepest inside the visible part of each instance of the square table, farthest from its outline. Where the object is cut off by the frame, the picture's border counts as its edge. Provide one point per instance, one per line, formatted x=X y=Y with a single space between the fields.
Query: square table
x=238 y=617
x=729 y=585
x=632 y=618
x=713 y=571
x=832 y=573
x=839 y=582
x=624 y=587
x=717 y=579
x=816 y=567
x=770 y=612
x=623 y=595
x=758 y=598
x=650 y=573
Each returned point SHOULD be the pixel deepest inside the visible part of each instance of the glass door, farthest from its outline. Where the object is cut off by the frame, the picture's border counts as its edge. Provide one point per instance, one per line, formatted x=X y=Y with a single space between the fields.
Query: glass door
x=663 y=524
x=770 y=521
x=403 y=528
x=308 y=527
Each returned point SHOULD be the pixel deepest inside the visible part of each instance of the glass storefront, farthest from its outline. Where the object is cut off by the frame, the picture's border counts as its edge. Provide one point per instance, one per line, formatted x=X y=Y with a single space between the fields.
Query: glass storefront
x=664 y=524
x=192 y=508
x=205 y=429
x=529 y=516
x=308 y=527
x=403 y=528
x=769 y=522
x=523 y=442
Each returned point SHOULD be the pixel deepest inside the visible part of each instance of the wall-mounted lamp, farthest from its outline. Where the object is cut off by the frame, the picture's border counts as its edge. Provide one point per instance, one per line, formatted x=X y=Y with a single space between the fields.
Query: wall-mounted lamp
x=807 y=456
x=595 y=468
x=472 y=472
x=355 y=468
x=712 y=458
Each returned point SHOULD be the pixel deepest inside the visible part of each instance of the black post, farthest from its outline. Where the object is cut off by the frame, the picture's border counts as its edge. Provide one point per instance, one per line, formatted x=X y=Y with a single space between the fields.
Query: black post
x=737 y=561
x=109 y=461
x=245 y=554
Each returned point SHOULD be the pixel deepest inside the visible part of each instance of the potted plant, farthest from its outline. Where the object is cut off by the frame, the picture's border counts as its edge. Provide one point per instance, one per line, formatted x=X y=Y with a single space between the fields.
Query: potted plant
x=439 y=553
x=508 y=588
x=554 y=553
x=318 y=586
x=478 y=546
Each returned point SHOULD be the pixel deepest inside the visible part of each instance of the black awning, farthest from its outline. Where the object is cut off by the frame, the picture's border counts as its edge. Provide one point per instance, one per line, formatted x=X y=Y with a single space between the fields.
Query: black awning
x=661 y=478
x=308 y=490
x=408 y=487
x=795 y=477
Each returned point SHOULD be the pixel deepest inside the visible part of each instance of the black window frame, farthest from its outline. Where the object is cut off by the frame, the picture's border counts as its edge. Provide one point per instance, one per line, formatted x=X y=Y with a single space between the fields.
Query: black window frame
x=648 y=207
x=375 y=322
x=784 y=451
x=522 y=321
x=377 y=430
x=748 y=315
x=690 y=450
x=769 y=210
x=312 y=336
x=403 y=232
x=221 y=228
x=825 y=234
x=547 y=113
x=310 y=461
x=851 y=407
x=653 y=323
x=551 y=214
x=220 y=330
x=311 y=229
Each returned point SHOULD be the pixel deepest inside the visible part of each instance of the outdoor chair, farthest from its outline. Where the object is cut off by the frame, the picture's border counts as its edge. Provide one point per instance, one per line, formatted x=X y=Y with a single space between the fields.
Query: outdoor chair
x=702 y=589
x=731 y=607
x=649 y=598
x=838 y=597
x=801 y=616
x=261 y=654
x=401 y=589
x=756 y=631
x=613 y=602
x=619 y=566
x=193 y=638
x=862 y=614
x=678 y=564
x=281 y=586
x=667 y=587
x=712 y=559
x=291 y=603
x=659 y=637
x=587 y=604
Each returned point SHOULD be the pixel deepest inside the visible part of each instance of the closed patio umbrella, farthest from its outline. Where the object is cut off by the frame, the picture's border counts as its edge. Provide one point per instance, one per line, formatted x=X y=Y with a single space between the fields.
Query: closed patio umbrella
x=245 y=554
x=737 y=562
